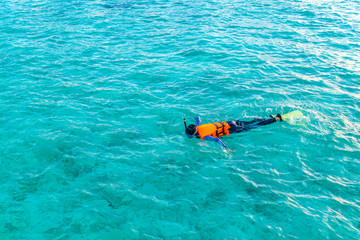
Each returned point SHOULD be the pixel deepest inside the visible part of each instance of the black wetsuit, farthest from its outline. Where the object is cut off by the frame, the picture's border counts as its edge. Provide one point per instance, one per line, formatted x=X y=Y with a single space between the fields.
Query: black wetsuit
x=241 y=126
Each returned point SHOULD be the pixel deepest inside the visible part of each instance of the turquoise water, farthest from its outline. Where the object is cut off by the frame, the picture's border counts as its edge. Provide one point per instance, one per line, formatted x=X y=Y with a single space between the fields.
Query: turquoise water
x=92 y=98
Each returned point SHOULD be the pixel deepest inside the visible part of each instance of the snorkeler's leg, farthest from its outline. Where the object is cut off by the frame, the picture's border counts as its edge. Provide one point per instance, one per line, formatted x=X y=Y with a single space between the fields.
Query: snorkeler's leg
x=268 y=121
x=241 y=126
x=243 y=123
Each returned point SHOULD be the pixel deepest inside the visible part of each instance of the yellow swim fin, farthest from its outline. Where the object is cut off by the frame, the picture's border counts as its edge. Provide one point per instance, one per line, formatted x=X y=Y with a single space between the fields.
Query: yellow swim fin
x=294 y=118
x=291 y=115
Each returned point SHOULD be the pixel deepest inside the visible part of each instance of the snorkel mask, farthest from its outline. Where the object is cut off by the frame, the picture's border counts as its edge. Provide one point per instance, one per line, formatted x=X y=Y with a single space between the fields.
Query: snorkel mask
x=189 y=130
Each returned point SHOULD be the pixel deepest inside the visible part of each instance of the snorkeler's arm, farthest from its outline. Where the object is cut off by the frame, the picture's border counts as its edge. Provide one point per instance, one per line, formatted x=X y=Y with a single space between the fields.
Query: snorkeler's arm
x=197 y=121
x=210 y=138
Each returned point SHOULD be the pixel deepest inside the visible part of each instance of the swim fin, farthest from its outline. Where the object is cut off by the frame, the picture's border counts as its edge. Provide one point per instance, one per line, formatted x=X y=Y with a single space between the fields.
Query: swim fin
x=292 y=116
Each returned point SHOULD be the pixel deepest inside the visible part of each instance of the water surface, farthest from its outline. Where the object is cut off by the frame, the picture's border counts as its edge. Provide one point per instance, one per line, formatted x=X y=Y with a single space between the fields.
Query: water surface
x=92 y=98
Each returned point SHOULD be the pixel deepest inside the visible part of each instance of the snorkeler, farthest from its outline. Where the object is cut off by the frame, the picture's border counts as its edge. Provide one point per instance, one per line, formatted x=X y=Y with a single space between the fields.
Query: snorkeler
x=213 y=131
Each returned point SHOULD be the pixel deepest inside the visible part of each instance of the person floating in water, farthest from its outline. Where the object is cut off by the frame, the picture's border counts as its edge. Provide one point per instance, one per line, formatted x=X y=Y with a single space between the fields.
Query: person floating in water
x=213 y=131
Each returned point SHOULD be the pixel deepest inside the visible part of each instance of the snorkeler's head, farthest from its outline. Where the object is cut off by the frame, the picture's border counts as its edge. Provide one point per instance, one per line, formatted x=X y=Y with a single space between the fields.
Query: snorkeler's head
x=190 y=130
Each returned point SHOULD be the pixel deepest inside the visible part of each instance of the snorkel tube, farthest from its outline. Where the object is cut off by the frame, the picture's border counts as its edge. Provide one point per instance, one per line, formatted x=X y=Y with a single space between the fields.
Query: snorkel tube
x=186 y=129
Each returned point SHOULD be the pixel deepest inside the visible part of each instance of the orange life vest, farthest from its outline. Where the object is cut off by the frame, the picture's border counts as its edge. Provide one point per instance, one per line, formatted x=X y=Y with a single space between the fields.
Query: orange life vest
x=216 y=130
